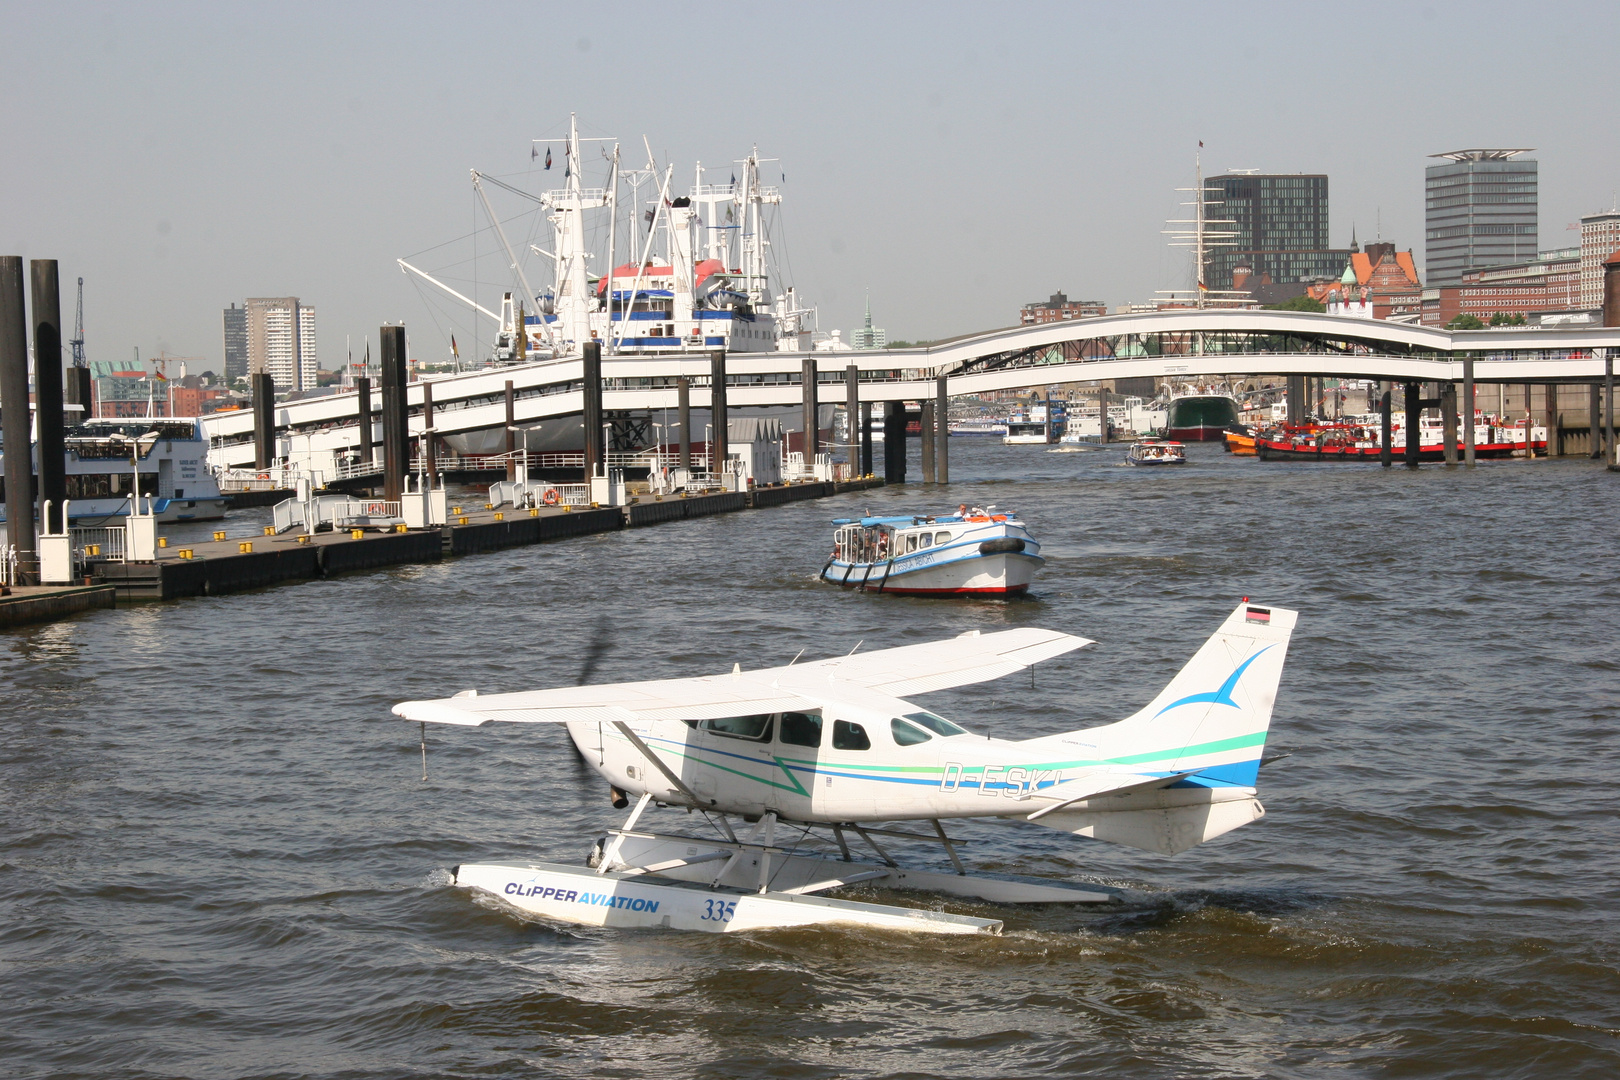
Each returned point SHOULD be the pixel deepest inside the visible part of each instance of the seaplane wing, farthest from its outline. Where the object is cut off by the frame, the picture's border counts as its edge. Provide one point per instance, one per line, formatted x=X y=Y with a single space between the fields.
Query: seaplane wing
x=705 y=698
x=934 y=665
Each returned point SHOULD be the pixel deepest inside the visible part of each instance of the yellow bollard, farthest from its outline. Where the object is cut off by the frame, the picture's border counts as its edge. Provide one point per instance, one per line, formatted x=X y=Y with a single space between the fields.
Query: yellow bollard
x=461 y=520
x=185 y=553
x=489 y=506
x=499 y=516
x=567 y=509
x=92 y=550
x=534 y=511
x=456 y=510
x=594 y=506
x=356 y=534
x=163 y=541
x=303 y=538
x=401 y=527
x=219 y=534
x=269 y=530
x=245 y=547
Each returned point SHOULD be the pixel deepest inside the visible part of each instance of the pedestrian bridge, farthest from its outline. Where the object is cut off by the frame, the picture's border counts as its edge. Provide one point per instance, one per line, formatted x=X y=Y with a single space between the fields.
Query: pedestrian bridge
x=1189 y=344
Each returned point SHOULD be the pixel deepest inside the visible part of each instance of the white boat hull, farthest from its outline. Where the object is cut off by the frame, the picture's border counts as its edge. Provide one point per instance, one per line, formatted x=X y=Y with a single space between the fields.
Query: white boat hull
x=1001 y=574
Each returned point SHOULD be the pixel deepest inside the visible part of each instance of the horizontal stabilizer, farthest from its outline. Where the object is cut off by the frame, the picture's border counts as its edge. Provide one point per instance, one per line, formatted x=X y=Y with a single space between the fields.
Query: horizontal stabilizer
x=1099 y=784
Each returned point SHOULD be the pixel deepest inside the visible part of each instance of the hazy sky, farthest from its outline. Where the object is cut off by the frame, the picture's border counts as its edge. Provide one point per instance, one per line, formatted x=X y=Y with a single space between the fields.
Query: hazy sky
x=957 y=161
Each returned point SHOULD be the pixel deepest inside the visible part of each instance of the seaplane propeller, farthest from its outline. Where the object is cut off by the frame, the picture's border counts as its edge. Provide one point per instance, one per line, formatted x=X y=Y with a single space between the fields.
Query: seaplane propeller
x=831 y=753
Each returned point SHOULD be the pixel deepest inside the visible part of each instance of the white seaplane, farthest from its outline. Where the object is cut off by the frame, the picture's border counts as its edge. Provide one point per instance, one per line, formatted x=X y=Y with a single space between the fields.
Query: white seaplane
x=774 y=759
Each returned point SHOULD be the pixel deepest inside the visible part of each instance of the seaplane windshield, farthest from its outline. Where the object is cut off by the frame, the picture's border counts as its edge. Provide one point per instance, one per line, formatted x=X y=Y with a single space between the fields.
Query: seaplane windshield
x=757 y=728
x=935 y=723
x=907 y=734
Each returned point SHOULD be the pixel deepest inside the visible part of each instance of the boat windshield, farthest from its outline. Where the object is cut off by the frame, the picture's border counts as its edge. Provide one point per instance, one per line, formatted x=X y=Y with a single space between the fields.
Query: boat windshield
x=937 y=724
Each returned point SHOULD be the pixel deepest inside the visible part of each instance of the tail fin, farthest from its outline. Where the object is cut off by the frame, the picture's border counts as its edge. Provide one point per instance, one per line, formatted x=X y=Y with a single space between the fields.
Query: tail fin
x=1206 y=730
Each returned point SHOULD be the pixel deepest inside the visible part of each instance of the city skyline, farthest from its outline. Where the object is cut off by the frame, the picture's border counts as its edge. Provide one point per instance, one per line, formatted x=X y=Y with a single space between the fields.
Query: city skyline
x=957 y=178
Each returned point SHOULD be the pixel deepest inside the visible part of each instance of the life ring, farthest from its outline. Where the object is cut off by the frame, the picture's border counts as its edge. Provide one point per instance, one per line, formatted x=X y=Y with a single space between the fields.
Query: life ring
x=264 y=476
x=552 y=497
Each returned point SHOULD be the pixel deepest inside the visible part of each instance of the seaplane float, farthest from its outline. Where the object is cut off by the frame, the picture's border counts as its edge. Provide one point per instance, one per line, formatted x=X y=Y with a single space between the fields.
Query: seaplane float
x=790 y=767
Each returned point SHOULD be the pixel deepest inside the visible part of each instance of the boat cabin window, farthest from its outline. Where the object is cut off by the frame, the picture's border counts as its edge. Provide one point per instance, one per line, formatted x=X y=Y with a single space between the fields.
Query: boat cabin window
x=937 y=724
x=907 y=734
x=942 y=538
x=927 y=540
x=800 y=729
x=911 y=542
x=848 y=736
x=757 y=728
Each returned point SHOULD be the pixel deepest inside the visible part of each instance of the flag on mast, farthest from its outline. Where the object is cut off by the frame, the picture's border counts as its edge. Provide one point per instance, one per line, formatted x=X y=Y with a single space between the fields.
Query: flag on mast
x=534 y=152
x=548 y=159
x=455 y=352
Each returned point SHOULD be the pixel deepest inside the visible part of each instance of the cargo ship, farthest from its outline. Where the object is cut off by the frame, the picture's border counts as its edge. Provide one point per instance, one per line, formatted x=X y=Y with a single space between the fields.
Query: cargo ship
x=1198 y=414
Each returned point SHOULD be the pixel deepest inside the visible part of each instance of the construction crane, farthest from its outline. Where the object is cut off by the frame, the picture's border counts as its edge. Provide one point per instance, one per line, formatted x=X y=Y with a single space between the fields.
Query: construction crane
x=78 y=331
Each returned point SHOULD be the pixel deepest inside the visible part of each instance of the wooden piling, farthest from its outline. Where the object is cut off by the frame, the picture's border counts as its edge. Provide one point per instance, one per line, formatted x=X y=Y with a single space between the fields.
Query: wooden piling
x=925 y=432
x=942 y=431
x=1611 y=455
x=1594 y=430
x=1448 y=420
x=1555 y=422
x=1386 y=454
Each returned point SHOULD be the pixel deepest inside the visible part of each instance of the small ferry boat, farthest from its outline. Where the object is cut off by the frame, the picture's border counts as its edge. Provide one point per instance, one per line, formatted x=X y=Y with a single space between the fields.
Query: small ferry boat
x=104 y=459
x=1156 y=452
x=1240 y=440
x=1034 y=426
x=970 y=553
x=1360 y=439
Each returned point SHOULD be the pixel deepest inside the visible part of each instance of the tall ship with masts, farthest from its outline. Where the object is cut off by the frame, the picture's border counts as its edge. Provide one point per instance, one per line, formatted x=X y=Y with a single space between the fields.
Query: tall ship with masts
x=1201 y=412
x=688 y=272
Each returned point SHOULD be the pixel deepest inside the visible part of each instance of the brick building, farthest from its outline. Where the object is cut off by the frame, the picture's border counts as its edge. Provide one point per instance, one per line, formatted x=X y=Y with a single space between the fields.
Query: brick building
x=1058 y=308
x=1549 y=282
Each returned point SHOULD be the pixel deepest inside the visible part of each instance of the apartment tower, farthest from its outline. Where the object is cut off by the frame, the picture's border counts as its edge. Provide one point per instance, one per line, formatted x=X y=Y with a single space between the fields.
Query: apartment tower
x=281 y=342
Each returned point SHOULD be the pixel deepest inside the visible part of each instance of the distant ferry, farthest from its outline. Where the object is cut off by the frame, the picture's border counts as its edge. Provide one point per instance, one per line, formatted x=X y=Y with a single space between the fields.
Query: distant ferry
x=1361 y=440
x=974 y=552
x=978 y=427
x=105 y=459
x=1032 y=427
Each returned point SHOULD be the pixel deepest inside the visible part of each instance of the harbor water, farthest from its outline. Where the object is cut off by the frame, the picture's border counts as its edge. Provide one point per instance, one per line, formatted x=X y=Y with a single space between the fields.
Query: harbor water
x=218 y=857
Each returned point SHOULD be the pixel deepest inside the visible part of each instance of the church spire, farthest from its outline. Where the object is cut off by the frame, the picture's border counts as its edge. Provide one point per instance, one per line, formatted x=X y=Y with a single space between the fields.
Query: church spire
x=1353 y=245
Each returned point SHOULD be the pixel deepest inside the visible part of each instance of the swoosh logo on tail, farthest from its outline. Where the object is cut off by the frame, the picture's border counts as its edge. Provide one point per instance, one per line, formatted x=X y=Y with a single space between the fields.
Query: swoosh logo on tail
x=1220 y=696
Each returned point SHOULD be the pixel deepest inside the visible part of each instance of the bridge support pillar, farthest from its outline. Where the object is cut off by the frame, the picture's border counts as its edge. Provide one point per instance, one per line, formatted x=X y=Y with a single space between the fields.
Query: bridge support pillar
x=852 y=414
x=1414 y=437
x=866 y=438
x=812 y=412
x=511 y=430
x=1468 y=410
x=925 y=440
x=894 y=442
x=1594 y=422
x=362 y=417
x=14 y=401
x=429 y=453
x=1448 y=420
x=683 y=419
x=1529 y=421
x=396 y=411
x=1386 y=454
x=45 y=294
x=717 y=412
x=1102 y=413
x=1555 y=422
x=264 y=419
x=942 y=431
x=1611 y=456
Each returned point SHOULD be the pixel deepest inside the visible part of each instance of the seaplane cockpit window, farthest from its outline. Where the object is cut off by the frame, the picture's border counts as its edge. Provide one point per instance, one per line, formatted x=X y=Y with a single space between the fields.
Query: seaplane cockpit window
x=800 y=729
x=757 y=728
x=907 y=734
x=848 y=736
x=935 y=723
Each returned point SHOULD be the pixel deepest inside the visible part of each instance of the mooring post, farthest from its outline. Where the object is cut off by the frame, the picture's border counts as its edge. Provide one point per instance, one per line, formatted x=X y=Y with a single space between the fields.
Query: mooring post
x=1296 y=399
x=1414 y=436
x=77 y=391
x=1468 y=409
x=1529 y=421
x=812 y=417
x=429 y=455
x=866 y=438
x=683 y=418
x=396 y=432
x=894 y=442
x=1448 y=420
x=47 y=312
x=591 y=394
x=19 y=449
x=942 y=431
x=1555 y=422
x=719 y=421
x=1594 y=422
x=1102 y=412
x=1386 y=454
x=362 y=417
x=1611 y=455
x=264 y=419
x=511 y=431
x=852 y=415
x=925 y=439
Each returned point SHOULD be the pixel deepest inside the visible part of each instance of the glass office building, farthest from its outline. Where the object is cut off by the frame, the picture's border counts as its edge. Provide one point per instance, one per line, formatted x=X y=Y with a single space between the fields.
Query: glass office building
x=1281 y=222
x=1479 y=210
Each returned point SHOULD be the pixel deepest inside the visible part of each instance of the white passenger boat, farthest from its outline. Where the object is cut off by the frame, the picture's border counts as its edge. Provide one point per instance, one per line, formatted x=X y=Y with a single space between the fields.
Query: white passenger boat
x=970 y=553
x=1156 y=452
x=1033 y=426
x=105 y=460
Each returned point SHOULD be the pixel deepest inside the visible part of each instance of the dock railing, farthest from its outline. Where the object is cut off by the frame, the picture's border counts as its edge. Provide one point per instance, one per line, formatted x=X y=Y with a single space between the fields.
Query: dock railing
x=337 y=511
x=99 y=544
x=8 y=564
